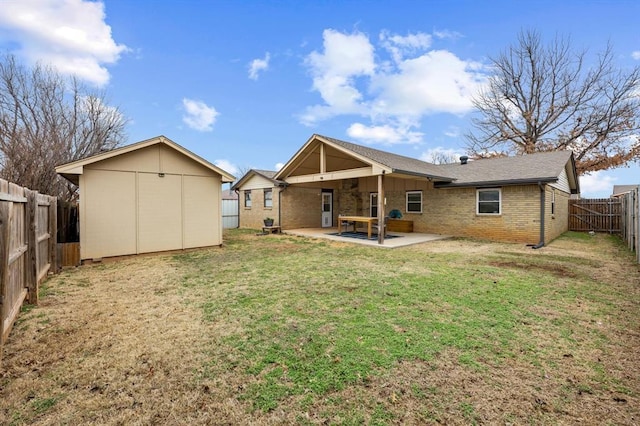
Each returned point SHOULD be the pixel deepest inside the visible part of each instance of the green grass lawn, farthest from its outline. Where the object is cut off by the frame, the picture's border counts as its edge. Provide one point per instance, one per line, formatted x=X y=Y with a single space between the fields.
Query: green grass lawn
x=279 y=329
x=307 y=325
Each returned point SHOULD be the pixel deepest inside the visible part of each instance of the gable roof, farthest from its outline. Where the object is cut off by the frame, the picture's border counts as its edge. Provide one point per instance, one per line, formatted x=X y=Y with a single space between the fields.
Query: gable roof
x=392 y=163
x=622 y=189
x=541 y=167
x=72 y=170
x=544 y=167
x=267 y=174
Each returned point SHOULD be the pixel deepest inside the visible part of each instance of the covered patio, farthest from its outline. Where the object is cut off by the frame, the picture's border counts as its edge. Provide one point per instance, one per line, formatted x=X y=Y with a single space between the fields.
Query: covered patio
x=393 y=240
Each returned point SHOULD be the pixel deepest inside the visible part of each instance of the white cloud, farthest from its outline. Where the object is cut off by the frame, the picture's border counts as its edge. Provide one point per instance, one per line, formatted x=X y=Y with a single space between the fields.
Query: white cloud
x=635 y=54
x=345 y=58
x=444 y=34
x=198 y=115
x=279 y=166
x=596 y=182
x=70 y=35
x=384 y=134
x=452 y=132
x=258 y=65
x=435 y=82
x=399 y=46
x=227 y=166
x=353 y=78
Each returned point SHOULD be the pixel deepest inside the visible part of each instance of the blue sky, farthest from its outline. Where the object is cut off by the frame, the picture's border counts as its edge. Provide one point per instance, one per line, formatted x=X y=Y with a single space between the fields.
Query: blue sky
x=245 y=83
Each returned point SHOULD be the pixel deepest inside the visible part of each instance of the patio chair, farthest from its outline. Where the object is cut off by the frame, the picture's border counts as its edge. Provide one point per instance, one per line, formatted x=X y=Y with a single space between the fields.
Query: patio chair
x=376 y=227
x=346 y=224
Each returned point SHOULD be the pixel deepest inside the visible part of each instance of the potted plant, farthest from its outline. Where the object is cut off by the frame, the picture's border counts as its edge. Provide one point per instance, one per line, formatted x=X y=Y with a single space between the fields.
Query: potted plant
x=268 y=221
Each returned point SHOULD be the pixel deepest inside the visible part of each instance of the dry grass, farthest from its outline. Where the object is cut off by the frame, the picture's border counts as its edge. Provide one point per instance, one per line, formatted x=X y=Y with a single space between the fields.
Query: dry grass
x=227 y=336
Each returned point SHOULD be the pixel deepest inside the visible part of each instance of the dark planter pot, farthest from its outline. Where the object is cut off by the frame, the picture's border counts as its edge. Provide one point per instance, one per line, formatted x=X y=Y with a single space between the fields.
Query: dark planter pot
x=268 y=222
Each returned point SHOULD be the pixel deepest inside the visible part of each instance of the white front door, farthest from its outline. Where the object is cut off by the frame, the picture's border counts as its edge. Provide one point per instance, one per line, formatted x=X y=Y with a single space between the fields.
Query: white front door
x=327 y=209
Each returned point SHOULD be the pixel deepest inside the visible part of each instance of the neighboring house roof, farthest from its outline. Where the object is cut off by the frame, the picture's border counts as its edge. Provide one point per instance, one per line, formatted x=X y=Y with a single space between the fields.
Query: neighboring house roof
x=228 y=194
x=622 y=189
x=541 y=167
x=267 y=174
x=72 y=170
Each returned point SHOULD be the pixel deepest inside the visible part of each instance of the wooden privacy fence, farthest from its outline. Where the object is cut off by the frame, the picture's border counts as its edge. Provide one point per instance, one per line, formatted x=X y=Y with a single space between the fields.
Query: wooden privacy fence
x=595 y=214
x=630 y=220
x=27 y=249
x=616 y=215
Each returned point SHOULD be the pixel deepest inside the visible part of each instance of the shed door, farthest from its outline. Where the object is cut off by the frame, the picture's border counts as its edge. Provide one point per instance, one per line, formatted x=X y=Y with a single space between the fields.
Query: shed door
x=327 y=209
x=159 y=212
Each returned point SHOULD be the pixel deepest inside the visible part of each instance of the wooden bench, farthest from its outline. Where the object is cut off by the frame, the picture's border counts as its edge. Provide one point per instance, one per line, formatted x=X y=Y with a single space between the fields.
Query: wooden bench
x=271 y=229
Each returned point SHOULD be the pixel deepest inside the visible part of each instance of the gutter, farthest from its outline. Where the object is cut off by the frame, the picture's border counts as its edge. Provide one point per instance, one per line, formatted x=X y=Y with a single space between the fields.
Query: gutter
x=542 y=202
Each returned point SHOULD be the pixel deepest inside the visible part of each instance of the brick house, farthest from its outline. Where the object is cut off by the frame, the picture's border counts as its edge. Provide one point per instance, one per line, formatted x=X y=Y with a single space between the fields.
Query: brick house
x=519 y=199
x=258 y=197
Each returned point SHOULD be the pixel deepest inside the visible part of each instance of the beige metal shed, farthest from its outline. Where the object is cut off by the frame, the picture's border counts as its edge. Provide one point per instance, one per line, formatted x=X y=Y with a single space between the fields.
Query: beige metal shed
x=150 y=196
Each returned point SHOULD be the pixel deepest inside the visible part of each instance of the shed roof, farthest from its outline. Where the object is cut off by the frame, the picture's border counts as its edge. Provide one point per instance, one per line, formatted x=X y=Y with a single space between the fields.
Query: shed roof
x=72 y=170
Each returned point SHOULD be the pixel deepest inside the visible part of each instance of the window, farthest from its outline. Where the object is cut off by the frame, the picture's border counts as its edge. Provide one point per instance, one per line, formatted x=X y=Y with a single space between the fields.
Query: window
x=553 y=201
x=414 y=201
x=247 y=199
x=489 y=201
x=373 y=203
x=268 y=198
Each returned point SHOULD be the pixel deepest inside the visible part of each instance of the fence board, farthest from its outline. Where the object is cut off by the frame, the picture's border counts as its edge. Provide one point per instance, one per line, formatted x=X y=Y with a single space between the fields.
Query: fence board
x=597 y=214
x=617 y=215
x=27 y=249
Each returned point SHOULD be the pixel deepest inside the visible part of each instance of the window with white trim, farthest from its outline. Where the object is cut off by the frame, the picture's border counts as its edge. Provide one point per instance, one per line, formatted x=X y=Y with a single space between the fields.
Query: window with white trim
x=553 y=201
x=414 y=202
x=247 y=199
x=268 y=198
x=489 y=201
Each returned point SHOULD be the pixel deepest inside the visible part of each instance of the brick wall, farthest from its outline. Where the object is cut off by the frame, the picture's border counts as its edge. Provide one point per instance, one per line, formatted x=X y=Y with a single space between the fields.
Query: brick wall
x=453 y=212
x=254 y=216
x=558 y=223
x=445 y=211
x=301 y=207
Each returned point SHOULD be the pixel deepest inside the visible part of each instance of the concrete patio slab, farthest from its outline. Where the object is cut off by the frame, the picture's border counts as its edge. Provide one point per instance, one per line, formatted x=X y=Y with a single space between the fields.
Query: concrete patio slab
x=403 y=238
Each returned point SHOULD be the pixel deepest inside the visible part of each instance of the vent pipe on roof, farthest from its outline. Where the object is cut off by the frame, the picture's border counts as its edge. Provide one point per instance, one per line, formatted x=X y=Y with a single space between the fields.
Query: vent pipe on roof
x=464 y=159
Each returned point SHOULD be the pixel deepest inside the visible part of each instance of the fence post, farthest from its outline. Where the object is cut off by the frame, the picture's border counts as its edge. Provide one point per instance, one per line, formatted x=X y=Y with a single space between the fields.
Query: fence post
x=53 y=234
x=32 y=247
x=5 y=215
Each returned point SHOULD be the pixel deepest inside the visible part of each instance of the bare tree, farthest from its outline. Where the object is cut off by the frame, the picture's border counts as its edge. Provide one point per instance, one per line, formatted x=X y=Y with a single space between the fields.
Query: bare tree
x=47 y=120
x=549 y=97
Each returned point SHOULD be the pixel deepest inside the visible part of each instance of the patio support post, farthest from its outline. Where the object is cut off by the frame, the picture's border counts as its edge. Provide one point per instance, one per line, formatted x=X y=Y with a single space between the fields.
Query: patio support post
x=381 y=213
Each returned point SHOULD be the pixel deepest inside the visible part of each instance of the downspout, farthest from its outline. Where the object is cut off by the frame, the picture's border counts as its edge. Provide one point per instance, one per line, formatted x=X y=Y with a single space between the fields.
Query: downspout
x=542 y=202
x=237 y=191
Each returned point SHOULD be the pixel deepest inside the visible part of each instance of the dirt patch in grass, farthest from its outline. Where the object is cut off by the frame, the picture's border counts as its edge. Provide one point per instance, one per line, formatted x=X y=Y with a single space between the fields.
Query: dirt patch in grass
x=277 y=329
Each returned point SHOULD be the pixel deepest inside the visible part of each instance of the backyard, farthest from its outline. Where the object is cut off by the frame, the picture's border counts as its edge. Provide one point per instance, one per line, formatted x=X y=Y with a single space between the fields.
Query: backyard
x=282 y=329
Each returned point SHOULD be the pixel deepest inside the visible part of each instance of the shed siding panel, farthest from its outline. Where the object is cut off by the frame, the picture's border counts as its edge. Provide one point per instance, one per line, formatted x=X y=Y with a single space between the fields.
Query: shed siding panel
x=202 y=210
x=108 y=214
x=153 y=159
x=159 y=212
